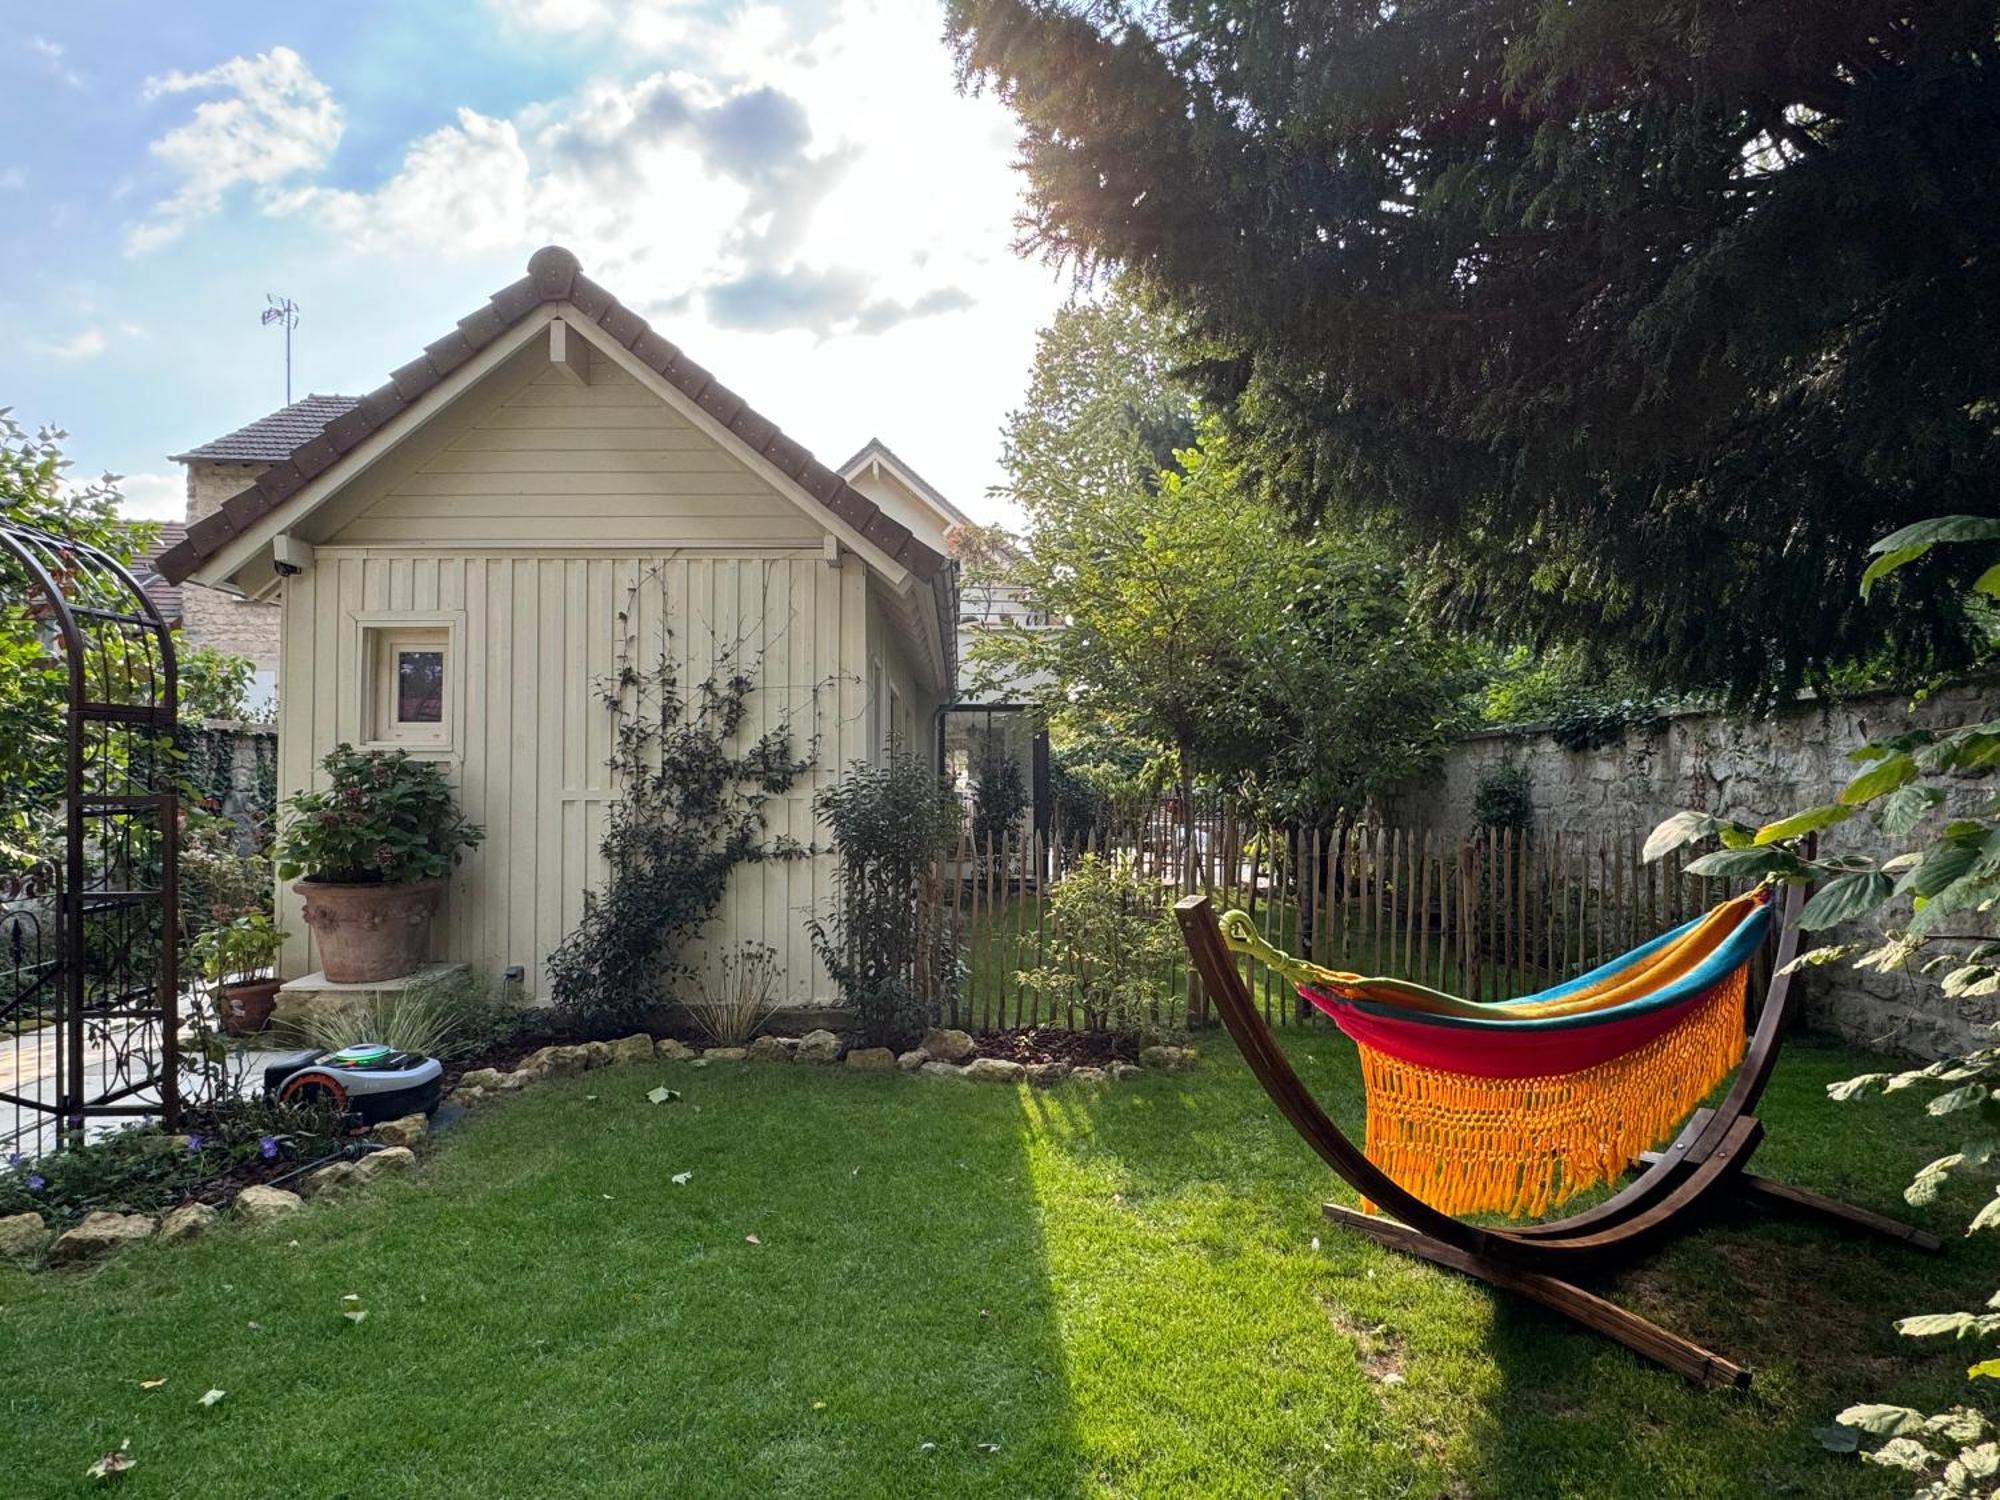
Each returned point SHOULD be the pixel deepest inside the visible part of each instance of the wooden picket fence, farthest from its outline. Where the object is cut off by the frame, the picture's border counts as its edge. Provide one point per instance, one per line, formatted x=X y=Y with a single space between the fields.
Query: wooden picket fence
x=1490 y=917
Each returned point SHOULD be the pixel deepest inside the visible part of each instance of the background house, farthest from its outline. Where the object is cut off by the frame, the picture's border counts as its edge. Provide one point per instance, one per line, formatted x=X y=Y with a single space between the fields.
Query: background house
x=456 y=557
x=989 y=717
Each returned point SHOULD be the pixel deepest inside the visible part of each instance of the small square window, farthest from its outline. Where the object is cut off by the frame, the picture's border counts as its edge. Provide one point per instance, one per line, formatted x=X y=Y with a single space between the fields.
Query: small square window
x=411 y=689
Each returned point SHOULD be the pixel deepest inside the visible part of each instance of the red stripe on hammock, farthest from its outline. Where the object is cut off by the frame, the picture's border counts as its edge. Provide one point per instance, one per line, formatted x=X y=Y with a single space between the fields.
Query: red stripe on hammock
x=1500 y=1053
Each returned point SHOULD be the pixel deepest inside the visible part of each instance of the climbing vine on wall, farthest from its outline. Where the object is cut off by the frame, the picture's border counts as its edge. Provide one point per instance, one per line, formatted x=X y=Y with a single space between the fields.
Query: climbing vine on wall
x=691 y=810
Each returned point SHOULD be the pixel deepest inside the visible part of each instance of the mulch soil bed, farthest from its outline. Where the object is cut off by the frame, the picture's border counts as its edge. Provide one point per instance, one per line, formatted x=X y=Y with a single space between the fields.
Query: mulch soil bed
x=1080 y=1049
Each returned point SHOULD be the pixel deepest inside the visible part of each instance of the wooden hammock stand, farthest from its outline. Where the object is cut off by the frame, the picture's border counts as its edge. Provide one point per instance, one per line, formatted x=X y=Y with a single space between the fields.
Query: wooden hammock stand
x=1704 y=1164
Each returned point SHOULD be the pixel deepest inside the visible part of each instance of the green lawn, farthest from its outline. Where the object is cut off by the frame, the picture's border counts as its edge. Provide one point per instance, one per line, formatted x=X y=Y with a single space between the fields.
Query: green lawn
x=961 y=1290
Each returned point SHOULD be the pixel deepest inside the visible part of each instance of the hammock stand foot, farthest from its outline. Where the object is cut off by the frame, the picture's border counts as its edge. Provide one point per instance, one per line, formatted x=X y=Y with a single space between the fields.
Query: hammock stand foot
x=1647 y=1339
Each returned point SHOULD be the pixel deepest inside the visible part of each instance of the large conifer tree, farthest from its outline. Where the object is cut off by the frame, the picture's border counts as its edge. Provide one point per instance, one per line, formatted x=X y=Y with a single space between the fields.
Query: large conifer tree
x=1651 y=317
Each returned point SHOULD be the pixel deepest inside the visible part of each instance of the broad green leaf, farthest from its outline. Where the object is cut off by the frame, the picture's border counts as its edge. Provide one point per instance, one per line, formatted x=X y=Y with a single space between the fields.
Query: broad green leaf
x=1988 y=1217
x=1930 y=1180
x=1941 y=867
x=1681 y=828
x=1888 y=562
x=1982 y=1462
x=1959 y=1425
x=1881 y=1421
x=1733 y=864
x=1812 y=820
x=1814 y=958
x=1930 y=1325
x=1838 y=1439
x=1986 y=1369
x=1939 y=529
x=1988 y=582
x=1845 y=898
x=1879 y=780
x=1963 y=1097
x=1855 y=1088
x=1904 y=808
x=1902 y=1453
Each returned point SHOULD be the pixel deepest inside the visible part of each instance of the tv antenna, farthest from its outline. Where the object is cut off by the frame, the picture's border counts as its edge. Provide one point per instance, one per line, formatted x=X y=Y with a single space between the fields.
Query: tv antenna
x=283 y=310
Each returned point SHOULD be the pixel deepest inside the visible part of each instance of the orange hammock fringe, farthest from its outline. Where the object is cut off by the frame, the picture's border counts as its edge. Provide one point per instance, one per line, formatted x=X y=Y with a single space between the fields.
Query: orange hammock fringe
x=1522 y=1146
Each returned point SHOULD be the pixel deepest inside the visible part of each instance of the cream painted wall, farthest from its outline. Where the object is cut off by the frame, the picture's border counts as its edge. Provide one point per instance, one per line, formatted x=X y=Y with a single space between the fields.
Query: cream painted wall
x=524 y=538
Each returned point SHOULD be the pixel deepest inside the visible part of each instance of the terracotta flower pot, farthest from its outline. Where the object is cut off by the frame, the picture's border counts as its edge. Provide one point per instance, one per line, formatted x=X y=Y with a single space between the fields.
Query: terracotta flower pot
x=371 y=932
x=245 y=1007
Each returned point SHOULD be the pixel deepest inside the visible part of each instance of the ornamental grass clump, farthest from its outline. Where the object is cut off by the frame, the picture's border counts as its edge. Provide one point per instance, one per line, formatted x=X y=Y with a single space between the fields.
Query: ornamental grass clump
x=735 y=997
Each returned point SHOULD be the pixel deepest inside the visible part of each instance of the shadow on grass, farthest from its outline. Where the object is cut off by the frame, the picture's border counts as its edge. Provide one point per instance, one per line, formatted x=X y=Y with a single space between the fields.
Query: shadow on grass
x=549 y=1313
x=1494 y=1397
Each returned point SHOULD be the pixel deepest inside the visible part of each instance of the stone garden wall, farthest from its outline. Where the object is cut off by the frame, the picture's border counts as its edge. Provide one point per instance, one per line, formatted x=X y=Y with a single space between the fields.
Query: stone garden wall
x=1752 y=768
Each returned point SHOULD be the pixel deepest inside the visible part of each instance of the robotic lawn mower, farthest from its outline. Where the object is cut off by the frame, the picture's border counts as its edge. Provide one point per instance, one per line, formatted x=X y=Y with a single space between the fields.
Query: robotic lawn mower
x=369 y=1082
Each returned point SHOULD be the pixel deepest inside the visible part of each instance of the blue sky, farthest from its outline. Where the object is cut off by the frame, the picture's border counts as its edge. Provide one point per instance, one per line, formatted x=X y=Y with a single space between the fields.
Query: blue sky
x=796 y=193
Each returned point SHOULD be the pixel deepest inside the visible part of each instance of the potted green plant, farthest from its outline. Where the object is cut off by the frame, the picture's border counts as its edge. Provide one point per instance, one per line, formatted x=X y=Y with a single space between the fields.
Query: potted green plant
x=234 y=957
x=370 y=853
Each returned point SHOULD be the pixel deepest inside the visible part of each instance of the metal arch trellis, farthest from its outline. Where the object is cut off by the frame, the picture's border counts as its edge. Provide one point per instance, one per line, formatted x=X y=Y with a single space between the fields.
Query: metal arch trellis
x=107 y=998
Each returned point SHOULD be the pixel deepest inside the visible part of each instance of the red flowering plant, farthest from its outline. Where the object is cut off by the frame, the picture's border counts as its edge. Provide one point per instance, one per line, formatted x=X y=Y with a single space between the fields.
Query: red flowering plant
x=381 y=816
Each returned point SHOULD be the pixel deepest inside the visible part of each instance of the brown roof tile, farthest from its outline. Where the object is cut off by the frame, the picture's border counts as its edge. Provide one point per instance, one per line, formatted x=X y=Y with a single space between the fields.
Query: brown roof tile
x=305 y=438
x=270 y=439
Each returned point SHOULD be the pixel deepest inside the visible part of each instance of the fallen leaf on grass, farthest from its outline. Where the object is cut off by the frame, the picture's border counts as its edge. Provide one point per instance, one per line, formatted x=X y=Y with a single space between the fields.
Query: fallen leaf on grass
x=359 y=1316
x=681 y=1178
x=663 y=1095
x=152 y=1385
x=114 y=1463
x=751 y=1239
x=819 y=1406
x=987 y=1447
x=927 y=1447
x=211 y=1397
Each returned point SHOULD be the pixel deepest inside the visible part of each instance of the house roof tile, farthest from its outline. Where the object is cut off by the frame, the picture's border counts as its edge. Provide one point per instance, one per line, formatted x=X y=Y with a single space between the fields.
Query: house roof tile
x=271 y=439
x=299 y=439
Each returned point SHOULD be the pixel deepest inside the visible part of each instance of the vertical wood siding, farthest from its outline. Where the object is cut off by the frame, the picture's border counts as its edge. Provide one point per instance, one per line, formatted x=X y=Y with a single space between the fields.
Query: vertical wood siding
x=533 y=528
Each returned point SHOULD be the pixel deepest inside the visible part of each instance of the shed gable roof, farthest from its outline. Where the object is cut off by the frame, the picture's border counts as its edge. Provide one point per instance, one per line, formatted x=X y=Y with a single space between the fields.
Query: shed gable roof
x=554 y=275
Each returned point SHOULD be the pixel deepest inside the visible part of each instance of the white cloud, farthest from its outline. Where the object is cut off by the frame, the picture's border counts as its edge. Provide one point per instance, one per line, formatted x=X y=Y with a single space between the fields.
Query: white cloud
x=13 y=179
x=51 y=54
x=276 y=122
x=464 y=189
x=85 y=343
x=153 y=497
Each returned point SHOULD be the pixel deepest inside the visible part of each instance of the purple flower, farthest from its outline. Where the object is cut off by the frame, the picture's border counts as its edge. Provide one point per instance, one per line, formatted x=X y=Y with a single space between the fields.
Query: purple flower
x=36 y=1182
x=14 y=1160
x=194 y=1144
x=268 y=1147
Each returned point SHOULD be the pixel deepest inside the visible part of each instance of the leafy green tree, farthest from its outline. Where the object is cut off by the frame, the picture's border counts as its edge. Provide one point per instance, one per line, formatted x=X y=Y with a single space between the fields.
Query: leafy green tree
x=1648 y=317
x=1289 y=667
x=1104 y=412
x=34 y=682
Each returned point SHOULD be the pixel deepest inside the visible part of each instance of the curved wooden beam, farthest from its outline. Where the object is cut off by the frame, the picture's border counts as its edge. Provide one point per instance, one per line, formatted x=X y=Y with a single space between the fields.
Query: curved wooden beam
x=1671 y=1191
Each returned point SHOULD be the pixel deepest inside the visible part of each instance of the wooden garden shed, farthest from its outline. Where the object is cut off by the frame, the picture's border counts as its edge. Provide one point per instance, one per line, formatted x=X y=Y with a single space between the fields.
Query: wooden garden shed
x=457 y=555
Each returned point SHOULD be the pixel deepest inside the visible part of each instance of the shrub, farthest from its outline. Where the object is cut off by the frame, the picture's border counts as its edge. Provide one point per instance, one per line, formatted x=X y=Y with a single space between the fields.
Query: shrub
x=449 y=1017
x=730 y=1004
x=237 y=951
x=1504 y=799
x=383 y=816
x=999 y=797
x=1113 y=941
x=890 y=944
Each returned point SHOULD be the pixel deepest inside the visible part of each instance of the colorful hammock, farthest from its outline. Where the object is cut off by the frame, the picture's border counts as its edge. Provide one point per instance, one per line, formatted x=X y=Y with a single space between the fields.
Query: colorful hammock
x=1516 y=1106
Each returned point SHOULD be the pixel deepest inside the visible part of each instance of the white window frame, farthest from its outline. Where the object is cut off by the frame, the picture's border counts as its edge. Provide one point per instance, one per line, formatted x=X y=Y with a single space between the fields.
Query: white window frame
x=377 y=639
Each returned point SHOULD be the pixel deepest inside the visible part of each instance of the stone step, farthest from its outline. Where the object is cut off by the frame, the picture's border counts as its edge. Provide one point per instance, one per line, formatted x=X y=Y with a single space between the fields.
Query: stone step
x=315 y=992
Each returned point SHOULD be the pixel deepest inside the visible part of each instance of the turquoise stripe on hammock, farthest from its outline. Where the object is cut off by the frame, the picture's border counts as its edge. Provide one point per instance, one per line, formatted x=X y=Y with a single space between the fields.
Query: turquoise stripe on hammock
x=1730 y=955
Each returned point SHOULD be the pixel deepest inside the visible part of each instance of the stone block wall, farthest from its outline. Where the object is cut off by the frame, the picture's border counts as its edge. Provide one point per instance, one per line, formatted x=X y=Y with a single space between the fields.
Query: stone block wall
x=209 y=617
x=1753 y=768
